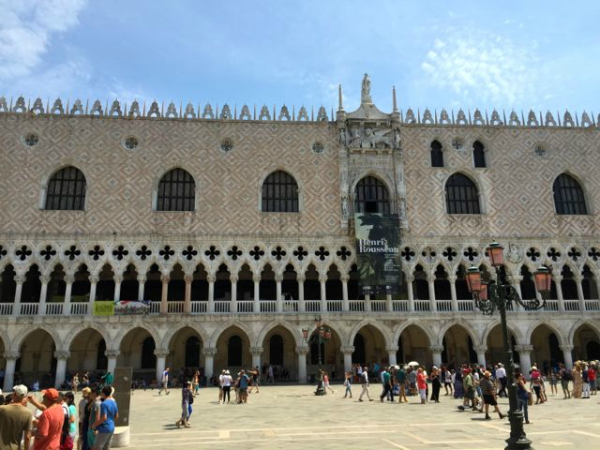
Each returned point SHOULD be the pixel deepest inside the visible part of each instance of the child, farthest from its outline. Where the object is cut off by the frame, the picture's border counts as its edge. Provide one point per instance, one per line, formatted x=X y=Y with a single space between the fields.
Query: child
x=348 y=384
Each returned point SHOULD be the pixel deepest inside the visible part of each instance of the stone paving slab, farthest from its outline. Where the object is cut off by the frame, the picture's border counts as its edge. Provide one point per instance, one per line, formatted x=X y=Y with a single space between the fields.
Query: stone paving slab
x=291 y=417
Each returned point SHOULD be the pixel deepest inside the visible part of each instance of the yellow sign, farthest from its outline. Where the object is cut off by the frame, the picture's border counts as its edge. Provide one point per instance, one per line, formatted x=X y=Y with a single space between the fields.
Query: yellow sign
x=104 y=308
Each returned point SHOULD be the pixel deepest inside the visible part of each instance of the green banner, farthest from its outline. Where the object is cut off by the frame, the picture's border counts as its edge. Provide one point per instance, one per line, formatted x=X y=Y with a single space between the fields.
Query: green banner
x=104 y=308
x=378 y=253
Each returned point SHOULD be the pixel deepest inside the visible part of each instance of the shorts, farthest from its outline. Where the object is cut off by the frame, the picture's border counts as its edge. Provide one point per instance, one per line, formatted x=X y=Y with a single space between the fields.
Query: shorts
x=243 y=390
x=103 y=440
x=489 y=400
x=470 y=394
x=593 y=384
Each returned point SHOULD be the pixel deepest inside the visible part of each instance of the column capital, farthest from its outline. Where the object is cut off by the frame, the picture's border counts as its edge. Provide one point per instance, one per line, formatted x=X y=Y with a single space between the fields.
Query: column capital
x=141 y=278
x=302 y=349
x=345 y=349
x=278 y=277
x=62 y=354
x=45 y=279
x=566 y=348
x=300 y=278
x=112 y=353
x=165 y=278
x=480 y=348
x=322 y=278
x=256 y=351
x=161 y=352
x=452 y=278
x=515 y=279
x=578 y=278
x=344 y=278
x=409 y=278
x=557 y=278
x=209 y=351
x=118 y=278
x=211 y=277
x=20 y=279
x=524 y=348
x=69 y=279
x=94 y=279
x=188 y=278
x=11 y=355
x=436 y=348
x=392 y=348
x=256 y=278
x=234 y=278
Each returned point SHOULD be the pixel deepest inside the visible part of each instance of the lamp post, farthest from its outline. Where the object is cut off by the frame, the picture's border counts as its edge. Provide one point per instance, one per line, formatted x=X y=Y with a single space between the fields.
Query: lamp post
x=320 y=337
x=500 y=295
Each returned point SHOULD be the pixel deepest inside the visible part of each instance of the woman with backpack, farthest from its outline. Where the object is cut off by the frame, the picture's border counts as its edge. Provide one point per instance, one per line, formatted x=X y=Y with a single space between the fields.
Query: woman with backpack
x=565 y=377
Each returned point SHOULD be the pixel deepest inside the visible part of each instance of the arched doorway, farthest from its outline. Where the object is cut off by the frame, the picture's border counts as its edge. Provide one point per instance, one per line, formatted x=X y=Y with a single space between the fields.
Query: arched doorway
x=495 y=347
x=546 y=349
x=458 y=347
x=87 y=352
x=233 y=350
x=32 y=286
x=279 y=350
x=137 y=351
x=413 y=345
x=185 y=351
x=36 y=359
x=586 y=342
x=331 y=355
x=373 y=346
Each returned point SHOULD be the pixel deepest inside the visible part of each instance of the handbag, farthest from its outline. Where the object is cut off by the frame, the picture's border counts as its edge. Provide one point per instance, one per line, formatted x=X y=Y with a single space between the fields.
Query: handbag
x=529 y=399
x=67 y=443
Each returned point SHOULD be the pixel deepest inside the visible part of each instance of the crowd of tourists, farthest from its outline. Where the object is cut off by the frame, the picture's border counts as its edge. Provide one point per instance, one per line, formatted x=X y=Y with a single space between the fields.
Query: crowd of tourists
x=56 y=421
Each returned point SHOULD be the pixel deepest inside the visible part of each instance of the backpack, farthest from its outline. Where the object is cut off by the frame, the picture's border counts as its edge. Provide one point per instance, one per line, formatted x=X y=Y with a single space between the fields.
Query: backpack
x=566 y=375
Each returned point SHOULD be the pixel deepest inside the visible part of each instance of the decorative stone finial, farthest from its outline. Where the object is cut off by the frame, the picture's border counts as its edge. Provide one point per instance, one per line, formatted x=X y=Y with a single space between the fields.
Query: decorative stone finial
x=365 y=95
x=340 y=103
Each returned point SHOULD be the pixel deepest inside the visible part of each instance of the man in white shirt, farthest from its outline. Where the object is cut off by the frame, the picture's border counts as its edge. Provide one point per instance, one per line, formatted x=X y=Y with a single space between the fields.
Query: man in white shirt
x=364 y=382
x=501 y=377
x=165 y=382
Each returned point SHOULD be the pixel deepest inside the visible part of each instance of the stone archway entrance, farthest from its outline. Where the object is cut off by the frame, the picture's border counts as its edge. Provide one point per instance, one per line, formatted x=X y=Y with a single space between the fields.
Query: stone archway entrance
x=233 y=351
x=279 y=350
x=458 y=347
x=414 y=345
x=185 y=353
x=87 y=353
x=137 y=351
x=586 y=342
x=36 y=360
x=546 y=348
x=369 y=347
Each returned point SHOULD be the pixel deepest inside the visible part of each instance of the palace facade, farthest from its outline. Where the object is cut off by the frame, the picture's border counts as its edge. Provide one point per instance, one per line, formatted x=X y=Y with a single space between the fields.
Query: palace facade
x=236 y=226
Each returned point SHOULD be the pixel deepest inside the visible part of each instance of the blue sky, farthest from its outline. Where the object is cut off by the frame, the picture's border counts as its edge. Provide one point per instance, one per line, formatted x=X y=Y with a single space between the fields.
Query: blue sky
x=439 y=54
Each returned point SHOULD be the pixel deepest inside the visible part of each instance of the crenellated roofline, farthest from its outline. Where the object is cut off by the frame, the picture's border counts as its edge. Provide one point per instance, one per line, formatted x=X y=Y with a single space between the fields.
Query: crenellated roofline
x=205 y=112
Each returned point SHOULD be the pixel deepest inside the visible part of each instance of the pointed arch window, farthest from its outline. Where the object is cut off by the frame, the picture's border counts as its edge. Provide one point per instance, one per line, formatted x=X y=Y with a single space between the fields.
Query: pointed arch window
x=280 y=193
x=66 y=190
x=478 y=155
x=462 y=196
x=568 y=196
x=176 y=192
x=371 y=196
x=437 y=156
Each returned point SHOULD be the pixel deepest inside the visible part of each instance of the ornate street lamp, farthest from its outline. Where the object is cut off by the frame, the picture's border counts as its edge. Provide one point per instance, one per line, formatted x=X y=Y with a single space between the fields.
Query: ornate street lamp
x=321 y=336
x=499 y=295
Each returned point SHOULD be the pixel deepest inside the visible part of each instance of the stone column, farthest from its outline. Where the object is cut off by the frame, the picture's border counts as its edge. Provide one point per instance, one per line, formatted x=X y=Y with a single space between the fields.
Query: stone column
x=278 y=281
x=436 y=353
x=525 y=358
x=61 y=367
x=302 y=351
x=368 y=303
x=164 y=307
x=256 y=354
x=9 y=371
x=559 y=292
x=19 y=279
x=141 y=287
x=346 y=305
x=452 y=280
x=211 y=278
x=388 y=303
x=93 y=283
x=187 y=300
x=409 y=288
x=347 y=351
x=161 y=360
x=392 y=352
x=567 y=355
x=118 y=279
x=480 y=350
x=578 y=281
x=233 y=279
x=112 y=356
x=323 y=280
x=45 y=279
x=69 y=279
x=430 y=284
x=209 y=361
x=256 y=279
x=300 y=278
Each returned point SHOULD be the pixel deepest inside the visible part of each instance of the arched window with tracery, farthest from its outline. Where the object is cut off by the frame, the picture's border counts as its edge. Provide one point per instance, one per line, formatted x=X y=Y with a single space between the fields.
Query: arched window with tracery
x=371 y=196
x=176 y=192
x=437 y=156
x=66 y=190
x=478 y=155
x=568 y=196
x=462 y=196
x=280 y=193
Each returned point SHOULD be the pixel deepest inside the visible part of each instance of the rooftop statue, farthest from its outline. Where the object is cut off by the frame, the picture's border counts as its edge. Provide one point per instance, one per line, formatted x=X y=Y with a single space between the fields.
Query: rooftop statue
x=365 y=96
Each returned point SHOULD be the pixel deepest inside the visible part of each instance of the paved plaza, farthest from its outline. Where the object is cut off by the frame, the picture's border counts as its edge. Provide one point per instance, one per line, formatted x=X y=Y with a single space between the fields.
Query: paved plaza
x=292 y=417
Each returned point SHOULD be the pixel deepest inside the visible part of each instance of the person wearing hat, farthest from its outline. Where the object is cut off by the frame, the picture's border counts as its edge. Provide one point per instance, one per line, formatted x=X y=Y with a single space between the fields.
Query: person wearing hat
x=83 y=423
x=50 y=422
x=16 y=420
x=489 y=395
x=227 y=381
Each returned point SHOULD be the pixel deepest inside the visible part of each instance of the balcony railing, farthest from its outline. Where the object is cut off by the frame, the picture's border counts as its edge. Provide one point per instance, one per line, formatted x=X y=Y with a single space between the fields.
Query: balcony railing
x=374 y=306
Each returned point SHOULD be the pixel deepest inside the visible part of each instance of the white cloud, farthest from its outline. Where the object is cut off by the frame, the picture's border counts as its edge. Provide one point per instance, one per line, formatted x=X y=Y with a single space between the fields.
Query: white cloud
x=482 y=67
x=28 y=26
